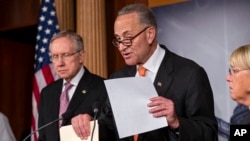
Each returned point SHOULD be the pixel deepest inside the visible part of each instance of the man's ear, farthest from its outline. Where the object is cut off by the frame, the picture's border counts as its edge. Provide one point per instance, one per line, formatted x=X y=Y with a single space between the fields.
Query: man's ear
x=151 y=34
x=82 y=56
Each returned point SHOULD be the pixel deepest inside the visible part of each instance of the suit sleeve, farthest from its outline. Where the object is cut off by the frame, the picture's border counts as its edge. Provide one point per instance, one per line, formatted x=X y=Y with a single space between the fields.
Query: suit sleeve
x=200 y=123
x=40 y=118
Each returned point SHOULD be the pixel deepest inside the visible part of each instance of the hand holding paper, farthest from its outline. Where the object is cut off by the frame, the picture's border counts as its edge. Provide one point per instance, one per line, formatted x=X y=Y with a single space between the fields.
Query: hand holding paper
x=67 y=133
x=129 y=98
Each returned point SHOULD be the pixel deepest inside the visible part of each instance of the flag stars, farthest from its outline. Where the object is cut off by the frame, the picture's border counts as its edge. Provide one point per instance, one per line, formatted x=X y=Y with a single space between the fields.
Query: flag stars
x=38 y=37
x=45 y=9
x=47 y=26
x=40 y=59
x=42 y=18
x=40 y=27
x=47 y=31
x=36 y=47
x=43 y=50
x=52 y=13
x=50 y=22
x=45 y=40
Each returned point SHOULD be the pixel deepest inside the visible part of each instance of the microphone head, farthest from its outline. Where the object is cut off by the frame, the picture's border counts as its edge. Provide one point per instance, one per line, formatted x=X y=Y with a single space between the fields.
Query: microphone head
x=67 y=115
x=96 y=106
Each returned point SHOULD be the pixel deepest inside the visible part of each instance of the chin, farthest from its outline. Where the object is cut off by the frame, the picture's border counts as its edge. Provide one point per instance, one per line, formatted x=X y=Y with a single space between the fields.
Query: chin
x=130 y=63
x=234 y=97
x=241 y=101
x=64 y=77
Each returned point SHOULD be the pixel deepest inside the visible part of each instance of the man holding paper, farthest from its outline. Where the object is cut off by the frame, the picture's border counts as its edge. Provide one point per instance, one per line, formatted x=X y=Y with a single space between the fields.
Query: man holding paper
x=185 y=98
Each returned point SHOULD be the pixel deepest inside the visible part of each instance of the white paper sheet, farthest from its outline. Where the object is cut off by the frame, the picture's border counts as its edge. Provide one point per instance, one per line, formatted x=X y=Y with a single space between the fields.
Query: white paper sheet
x=67 y=133
x=129 y=98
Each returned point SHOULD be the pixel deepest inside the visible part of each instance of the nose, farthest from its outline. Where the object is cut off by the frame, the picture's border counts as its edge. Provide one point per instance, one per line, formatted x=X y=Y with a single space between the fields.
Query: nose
x=122 y=47
x=60 y=61
x=229 y=78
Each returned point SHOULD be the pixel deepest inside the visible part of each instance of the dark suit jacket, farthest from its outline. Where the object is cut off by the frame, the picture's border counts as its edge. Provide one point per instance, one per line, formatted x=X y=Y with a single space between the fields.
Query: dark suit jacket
x=246 y=119
x=81 y=102
x=187 y=84
x=240 y=111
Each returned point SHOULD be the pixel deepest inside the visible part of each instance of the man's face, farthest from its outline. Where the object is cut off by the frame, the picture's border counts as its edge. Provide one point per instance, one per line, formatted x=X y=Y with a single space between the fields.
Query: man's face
x=67 y=61
x=126 y=27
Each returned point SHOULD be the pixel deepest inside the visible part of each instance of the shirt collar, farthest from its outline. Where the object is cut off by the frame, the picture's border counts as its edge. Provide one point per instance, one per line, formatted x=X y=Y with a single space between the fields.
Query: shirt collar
x=75 y=80
x=154 y=61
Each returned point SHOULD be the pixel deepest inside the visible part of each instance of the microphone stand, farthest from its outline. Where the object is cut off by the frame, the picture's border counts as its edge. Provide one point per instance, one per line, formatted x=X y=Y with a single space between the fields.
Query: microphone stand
x=92 y=134
x=42 y=128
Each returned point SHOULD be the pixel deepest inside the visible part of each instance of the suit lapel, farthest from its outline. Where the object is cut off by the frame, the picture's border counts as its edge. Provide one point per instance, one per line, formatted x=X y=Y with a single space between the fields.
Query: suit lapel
x=81 y=91
x=163 y=78
x=55 y=97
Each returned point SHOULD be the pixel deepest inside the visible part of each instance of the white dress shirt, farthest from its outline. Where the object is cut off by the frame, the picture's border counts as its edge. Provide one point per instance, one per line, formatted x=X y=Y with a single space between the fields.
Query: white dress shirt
x=153 y=63
x=74 y=82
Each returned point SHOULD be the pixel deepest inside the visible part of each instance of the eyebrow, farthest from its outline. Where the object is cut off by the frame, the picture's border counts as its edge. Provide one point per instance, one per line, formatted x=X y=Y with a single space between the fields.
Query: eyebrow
x=124 y=34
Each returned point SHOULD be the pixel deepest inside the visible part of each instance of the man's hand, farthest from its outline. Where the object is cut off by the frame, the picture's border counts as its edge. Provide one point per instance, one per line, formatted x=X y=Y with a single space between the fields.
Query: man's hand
x=161 y=106
x=81 y=125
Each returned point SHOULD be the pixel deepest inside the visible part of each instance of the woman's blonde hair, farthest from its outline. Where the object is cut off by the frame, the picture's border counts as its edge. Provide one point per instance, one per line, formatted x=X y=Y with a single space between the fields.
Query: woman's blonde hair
x=240 y=57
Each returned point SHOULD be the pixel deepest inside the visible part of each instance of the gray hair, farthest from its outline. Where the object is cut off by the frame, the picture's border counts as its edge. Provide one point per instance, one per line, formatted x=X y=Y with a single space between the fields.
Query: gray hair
x=76 y=38
x=145 y=14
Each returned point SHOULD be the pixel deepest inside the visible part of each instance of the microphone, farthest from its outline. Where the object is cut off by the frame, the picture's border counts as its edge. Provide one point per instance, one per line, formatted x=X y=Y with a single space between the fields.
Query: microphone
x=95 y=106
x=64 y=116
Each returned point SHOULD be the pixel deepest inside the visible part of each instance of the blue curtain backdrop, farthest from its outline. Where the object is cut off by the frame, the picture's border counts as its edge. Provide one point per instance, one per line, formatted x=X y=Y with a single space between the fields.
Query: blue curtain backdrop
x=207 y=31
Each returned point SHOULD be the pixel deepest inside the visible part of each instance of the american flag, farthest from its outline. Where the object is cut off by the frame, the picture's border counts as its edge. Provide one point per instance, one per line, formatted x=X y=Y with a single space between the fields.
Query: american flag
x=44 y=73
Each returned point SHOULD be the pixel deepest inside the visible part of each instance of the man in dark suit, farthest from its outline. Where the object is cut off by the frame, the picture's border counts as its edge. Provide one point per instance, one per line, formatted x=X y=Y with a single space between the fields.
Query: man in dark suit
x=67 y=50
x=185 y=97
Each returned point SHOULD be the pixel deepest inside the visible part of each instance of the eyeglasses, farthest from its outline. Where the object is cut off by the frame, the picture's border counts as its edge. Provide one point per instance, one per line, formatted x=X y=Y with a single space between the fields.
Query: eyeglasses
x=233 y=71
x=127 y=42
x=64 y=56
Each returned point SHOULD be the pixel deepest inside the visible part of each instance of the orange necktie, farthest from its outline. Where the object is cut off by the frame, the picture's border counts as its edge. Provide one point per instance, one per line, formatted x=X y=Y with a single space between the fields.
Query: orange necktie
x=142 y=71
x=135 y=137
